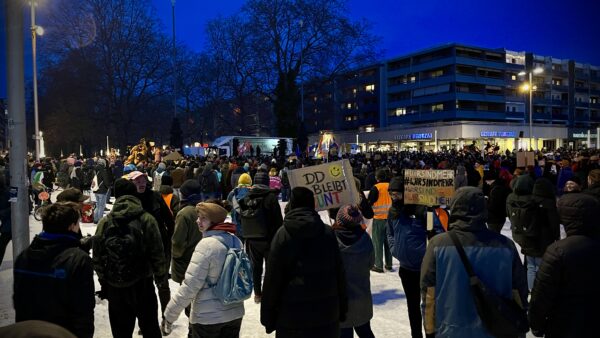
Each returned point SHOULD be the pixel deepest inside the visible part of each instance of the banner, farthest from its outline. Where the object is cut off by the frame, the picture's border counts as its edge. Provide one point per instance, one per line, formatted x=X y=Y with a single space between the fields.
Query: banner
x=332 y=183
x=525 y=158
x=425 y=187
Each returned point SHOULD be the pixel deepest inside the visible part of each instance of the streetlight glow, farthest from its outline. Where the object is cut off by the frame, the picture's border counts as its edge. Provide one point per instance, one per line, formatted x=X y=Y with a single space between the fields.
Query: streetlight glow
x=529 y=87
x=538 y=70
x=39 y=30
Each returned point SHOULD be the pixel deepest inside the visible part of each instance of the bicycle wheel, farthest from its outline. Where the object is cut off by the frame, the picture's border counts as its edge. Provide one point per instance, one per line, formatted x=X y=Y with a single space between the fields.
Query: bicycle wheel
x=37 y=212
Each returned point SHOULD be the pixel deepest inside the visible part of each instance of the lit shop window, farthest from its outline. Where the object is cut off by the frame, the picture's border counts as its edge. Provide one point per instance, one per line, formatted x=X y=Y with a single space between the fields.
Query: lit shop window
x=370 y=129
x=400 y=111
x=437 y=107
x=413 y=79
x=370 y=88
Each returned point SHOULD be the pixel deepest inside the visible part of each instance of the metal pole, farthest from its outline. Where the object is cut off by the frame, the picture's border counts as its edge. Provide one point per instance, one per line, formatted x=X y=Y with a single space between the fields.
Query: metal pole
x=174 y=63
x=301 y=81
x=36 y=137
x=530 y=110
x=16 y=125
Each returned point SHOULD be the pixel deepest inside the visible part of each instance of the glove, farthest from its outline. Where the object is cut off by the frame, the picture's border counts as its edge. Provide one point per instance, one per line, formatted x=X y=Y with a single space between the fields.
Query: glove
x=166 y=327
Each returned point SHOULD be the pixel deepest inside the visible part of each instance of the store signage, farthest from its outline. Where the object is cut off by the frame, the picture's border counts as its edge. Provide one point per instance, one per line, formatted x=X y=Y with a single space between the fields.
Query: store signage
x=498 y=134
x=418 y=136
x=583 y=135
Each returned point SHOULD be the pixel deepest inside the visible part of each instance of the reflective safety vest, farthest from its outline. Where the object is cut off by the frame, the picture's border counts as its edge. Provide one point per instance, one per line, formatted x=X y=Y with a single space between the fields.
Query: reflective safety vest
x=381 y=207
x=167 y=198
x=442 y=215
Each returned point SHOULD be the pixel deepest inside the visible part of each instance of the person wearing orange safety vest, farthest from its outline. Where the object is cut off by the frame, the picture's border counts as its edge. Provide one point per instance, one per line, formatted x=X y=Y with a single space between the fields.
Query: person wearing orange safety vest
x=171 y=200
x=380 y=201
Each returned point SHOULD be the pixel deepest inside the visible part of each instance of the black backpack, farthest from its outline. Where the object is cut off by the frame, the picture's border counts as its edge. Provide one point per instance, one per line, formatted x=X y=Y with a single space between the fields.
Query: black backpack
x=88 y=176
x=123 y=252
x=524 y=218
x=253 y=217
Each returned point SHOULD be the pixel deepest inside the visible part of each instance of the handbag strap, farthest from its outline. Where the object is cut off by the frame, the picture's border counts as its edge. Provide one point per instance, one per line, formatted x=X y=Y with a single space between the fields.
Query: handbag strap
x=463 y=256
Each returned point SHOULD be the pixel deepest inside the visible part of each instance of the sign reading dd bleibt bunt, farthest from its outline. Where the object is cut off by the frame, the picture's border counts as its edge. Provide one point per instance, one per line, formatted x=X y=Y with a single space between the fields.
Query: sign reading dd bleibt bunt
x=332 y=183
x=425 y=187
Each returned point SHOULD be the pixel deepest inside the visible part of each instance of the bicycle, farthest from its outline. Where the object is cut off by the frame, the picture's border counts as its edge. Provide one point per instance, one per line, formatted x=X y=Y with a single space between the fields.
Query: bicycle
x=44 y=200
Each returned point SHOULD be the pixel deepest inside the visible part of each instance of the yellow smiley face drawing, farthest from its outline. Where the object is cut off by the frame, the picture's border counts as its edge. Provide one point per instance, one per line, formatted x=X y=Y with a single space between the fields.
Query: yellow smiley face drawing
x=335 y=170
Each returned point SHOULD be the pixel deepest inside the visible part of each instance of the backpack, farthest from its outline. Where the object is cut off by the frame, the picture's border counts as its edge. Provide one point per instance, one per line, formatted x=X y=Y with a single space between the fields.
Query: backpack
x=205 y=183
x=88 y=177
x=235 y=281
x=524 y=216
x=123 y=252
x=253 y=217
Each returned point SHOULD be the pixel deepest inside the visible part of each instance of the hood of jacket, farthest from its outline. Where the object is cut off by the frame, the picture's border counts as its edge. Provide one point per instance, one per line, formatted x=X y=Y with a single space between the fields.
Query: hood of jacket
x=349 y=238
x=543 y=188
x=259 y=190
x=577 y=213
x=303 y=223
x=523 y=185
x=166 y=189
x=468 y=210
x=126 y=207
x=46 y=246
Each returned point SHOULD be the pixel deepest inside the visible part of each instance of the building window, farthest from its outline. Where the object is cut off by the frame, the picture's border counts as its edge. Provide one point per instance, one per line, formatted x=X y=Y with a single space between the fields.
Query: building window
x=354 y=91
x=413 y=79
x=557 y=82
x=370 y=129
x=437 y=107
x=370 y=88
x=401 y=111
x=593 y=100
x=513 y=77
x=349 y=105
x=514 y=109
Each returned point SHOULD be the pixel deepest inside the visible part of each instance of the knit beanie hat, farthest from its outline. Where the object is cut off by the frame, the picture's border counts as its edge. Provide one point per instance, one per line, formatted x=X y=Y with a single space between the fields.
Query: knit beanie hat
x=124 y=187
x=302 y=197
x=189 y=188
x=166 y=180
x=396 y=184
x=214 y=212
x=349 y=215
x=273 y=172
x=245 y=179
x=261 y=177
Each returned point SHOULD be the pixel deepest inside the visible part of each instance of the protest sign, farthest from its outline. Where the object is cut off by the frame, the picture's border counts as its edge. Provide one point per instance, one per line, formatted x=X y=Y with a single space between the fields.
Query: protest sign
x=525 y=158
x=332 y=183
x=426 y=187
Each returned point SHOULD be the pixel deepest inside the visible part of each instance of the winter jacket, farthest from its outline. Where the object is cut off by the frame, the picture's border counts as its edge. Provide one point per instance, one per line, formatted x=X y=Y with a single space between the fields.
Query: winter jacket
x=496 y=203
x=564 y=299
x=171 y=200
x=275 y=182
x=358 y=257
x=563 y=176
x=272 y=213
x=407 y=235
x=304 y=285
x=593 y=190
x=548 y=220
x=460 y=180
x=208 y=180
x=522 y=194
x=234 y=198
x=178 y=176
x=448 y=307
x=54 y=282
x=104 y=179
x=184 y=241
x=153 y=203
x=126 y=209
x=197 y=288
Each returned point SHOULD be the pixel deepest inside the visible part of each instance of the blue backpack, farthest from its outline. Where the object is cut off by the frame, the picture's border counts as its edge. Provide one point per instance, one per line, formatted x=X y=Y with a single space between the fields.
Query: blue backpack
x=235 y=281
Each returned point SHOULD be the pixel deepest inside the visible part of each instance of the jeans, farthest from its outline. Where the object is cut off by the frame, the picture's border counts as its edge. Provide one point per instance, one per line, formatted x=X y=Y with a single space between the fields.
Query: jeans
x=100 y=205
x=380 y=244
x=362 y=331
x=229 y=329
x=285 y=194
x=533 y=264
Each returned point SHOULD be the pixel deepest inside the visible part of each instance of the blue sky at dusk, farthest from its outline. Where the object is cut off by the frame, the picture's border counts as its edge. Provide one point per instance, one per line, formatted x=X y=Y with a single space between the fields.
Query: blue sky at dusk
x=561 y=29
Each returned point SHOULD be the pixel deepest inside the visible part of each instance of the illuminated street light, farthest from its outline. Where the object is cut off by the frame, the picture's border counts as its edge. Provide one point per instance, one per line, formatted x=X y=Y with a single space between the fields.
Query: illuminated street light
x=529 y=87
x=35 y=31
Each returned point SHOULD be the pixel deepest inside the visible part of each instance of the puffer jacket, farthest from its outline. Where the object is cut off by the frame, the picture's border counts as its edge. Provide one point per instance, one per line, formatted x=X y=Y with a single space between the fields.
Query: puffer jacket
x=499 y=192
x=183 y=243
x=304 y=285
x=448 y=307
x=407 y=235
x=127 y=209
x=54 y=282
x=358 y=257
x=200 y=277
x=593 y=190
x=543 y=195
x=564 y=299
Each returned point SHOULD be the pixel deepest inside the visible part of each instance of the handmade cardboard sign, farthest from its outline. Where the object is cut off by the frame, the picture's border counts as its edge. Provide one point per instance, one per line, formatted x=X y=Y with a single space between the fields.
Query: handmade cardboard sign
x=332 y=183
x=426 y=187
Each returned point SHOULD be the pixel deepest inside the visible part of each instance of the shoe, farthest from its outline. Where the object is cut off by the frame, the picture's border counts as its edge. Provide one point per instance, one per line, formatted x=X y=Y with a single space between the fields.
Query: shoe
x=376 y=269
x=389 y=268
x=257 y=299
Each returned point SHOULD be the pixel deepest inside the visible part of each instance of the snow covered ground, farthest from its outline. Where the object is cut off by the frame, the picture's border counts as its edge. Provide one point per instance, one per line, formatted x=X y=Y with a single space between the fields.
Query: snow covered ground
x=390 y=316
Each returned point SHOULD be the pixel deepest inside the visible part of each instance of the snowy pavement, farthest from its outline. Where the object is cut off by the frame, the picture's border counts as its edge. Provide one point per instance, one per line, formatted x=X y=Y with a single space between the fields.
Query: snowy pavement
x=390 y=316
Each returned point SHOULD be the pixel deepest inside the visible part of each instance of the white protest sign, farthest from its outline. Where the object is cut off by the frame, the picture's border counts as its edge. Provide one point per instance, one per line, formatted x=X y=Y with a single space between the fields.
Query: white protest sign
x=332 y=183
x=425 y=187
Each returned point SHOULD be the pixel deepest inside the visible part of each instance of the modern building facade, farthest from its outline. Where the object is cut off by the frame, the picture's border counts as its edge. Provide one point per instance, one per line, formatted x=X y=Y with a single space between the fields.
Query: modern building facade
x=452 y=95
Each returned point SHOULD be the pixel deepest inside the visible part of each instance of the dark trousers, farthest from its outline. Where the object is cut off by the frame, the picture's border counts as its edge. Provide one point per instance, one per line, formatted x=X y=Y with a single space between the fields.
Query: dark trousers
x=222 y=330
x=258 y=251
x=380 y=244
x=362 y=331
x=5 y=237
x=328 y=331
x=411 y=286
x=127 y=304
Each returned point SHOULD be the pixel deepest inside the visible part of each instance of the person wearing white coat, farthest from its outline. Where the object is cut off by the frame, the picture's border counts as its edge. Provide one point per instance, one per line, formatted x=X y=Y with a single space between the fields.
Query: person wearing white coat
x=208 y=317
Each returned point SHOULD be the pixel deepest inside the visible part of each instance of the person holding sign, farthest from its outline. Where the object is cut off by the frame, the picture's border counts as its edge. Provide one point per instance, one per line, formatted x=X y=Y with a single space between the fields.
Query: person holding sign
x=380 y=201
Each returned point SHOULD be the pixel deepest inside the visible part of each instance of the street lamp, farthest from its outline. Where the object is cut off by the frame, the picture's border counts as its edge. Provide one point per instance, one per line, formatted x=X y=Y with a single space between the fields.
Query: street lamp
x=35 y=31
x=529 y=87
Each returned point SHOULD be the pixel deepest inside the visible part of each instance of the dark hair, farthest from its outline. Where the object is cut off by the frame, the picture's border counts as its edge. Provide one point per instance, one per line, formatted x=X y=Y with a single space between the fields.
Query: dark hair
x=57 y=217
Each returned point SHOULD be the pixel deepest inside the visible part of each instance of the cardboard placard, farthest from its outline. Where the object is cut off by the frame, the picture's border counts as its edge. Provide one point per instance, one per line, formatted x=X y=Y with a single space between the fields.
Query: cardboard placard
x=426 y=187
x=332 y=183
x=525 y=158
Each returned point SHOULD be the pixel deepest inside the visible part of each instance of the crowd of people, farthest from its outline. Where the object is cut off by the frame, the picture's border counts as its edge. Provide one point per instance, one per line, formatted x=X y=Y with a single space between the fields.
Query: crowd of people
x=169 y=220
